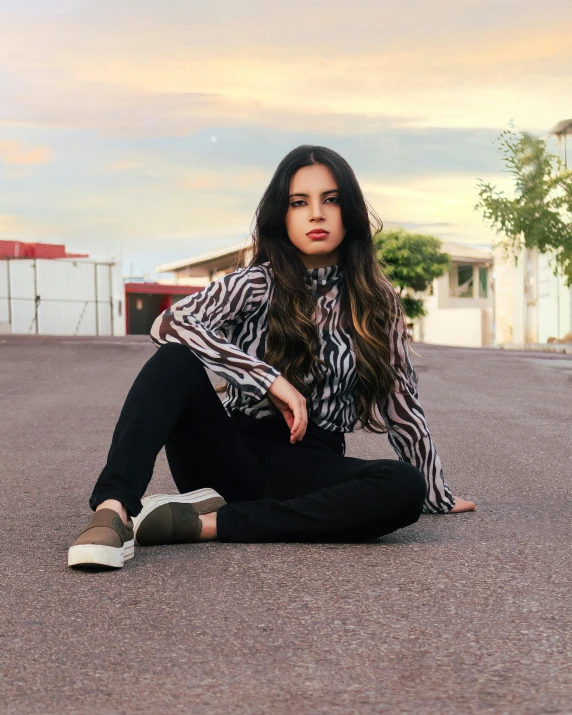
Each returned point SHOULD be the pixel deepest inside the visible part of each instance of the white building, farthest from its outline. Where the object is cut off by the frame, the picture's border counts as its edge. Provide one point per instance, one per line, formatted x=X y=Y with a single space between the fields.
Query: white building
x=532 y=305
x=460 y=304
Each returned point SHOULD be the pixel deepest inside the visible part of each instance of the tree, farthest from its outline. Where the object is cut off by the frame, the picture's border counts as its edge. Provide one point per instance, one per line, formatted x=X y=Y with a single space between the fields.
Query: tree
x=541 y=213
x=411 y=261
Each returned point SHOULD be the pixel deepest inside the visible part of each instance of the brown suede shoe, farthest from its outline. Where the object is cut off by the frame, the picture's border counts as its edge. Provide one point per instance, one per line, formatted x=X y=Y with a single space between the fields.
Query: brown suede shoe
x=105 y=541
x=174 y=518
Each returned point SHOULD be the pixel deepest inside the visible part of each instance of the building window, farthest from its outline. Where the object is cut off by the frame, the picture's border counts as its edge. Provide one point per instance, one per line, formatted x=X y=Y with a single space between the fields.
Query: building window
x=461 y=282
x=483 y=282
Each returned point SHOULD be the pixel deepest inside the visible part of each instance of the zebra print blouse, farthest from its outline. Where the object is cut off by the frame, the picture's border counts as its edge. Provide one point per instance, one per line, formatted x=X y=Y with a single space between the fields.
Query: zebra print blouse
x=226 y=324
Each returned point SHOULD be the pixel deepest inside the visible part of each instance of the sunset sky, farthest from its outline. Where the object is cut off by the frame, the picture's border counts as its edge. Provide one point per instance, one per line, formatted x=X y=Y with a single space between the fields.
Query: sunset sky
x=150 y=130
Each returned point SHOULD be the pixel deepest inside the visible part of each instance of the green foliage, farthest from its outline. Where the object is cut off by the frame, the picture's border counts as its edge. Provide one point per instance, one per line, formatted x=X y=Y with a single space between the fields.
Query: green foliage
x=541 y=213
x=411 y=261
x=413 y=307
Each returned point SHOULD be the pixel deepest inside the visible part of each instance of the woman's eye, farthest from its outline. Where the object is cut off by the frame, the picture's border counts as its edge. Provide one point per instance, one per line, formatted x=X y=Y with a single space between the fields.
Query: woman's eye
x=301 y=201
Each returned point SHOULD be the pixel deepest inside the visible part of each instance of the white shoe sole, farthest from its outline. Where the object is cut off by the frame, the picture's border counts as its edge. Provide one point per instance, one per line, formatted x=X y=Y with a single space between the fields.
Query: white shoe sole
x=152 y=502
x=100 y=555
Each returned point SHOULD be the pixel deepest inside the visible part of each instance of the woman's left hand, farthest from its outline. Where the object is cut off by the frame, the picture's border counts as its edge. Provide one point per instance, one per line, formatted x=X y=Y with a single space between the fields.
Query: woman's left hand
x=462 y=505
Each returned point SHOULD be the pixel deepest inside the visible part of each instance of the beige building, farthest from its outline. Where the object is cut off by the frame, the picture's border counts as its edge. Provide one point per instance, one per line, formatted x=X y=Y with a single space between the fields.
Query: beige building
x=460 y=304
x=202 y=269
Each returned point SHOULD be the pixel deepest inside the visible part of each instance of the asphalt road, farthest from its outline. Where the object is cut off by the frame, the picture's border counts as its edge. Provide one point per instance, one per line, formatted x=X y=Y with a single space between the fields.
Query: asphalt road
x=466 y=613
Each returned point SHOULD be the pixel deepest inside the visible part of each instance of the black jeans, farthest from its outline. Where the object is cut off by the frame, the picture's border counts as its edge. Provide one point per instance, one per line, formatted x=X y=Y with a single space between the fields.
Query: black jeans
x=275 y=490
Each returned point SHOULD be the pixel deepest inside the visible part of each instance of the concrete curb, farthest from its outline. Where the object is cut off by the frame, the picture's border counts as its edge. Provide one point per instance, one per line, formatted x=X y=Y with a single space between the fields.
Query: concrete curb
x=560 y=348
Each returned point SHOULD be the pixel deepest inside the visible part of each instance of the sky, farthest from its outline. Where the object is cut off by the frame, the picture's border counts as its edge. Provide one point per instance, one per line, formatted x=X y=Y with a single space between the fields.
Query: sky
x=149 y=131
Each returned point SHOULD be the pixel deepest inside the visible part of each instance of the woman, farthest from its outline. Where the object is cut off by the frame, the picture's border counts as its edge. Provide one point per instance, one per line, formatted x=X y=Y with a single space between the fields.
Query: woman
x=310 y=339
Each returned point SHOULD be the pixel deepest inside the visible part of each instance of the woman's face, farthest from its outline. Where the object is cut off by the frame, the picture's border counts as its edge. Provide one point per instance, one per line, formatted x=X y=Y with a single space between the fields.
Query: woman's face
x=314 y=205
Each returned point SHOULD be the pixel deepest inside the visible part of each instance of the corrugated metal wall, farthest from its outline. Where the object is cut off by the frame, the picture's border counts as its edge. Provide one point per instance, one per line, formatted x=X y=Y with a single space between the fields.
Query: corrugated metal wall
x=58 y=296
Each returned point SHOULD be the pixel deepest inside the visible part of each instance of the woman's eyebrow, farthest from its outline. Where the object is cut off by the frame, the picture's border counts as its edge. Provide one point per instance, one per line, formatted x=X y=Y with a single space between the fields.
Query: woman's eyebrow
x=331 y=191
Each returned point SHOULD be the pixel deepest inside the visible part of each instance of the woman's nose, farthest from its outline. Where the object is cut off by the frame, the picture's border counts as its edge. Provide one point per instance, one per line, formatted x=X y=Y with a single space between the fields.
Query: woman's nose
x=317 y=210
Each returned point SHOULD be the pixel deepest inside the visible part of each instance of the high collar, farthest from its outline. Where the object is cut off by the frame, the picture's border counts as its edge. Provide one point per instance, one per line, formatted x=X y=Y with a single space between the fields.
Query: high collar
x=324 y=276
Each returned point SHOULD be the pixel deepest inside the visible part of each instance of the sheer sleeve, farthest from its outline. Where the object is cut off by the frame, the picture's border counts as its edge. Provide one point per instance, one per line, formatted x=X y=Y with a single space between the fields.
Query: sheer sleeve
x=408 y=431
x=198 y=321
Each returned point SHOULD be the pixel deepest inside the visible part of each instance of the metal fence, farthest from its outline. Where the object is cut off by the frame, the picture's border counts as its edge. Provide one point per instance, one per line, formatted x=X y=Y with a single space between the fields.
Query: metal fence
x=56 y=296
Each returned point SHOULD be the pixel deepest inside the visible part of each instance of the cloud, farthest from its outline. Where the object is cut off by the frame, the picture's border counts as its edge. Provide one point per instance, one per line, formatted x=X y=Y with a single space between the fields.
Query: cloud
x=124 y=165
x=9 y=225
x=232 y=179
x=14 y=152
x=18 y=228
x=445 y=204
x=410 y=93
x=173 y=72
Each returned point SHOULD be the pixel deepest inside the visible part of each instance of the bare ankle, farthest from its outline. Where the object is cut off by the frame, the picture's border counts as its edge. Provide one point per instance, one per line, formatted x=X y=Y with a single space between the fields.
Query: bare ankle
x=208 y=530
x=116 y=506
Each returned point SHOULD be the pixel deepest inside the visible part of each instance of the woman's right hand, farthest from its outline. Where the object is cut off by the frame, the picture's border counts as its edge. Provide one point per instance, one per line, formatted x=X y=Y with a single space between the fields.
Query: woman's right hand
x=292 y=405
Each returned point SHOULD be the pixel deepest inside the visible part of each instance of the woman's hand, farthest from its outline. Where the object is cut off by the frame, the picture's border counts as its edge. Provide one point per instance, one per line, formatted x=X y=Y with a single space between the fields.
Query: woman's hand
x=462 y=505
x=292 y=405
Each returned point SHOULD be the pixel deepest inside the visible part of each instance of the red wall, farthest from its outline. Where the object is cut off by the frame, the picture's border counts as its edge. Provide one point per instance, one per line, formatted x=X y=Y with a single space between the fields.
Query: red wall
x=20 y=249
x=171 y=294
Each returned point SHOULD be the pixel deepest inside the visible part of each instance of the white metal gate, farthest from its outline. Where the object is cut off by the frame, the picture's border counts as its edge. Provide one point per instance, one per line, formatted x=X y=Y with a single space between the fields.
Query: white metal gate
x=56 y=296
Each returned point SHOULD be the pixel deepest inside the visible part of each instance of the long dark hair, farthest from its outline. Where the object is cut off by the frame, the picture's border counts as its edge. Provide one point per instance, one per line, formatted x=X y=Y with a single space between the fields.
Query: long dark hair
x=368 y=302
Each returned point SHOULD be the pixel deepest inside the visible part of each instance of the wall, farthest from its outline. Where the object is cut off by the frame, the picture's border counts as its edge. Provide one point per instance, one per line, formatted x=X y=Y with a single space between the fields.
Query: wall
x=61 y=297
x=532 y=304
x=451 y=326
x=554 y=302
x=451 y=320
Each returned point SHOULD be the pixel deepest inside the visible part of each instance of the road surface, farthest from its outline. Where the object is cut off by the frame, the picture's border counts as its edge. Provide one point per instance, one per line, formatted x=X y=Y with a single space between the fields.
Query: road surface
x=466 y=613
